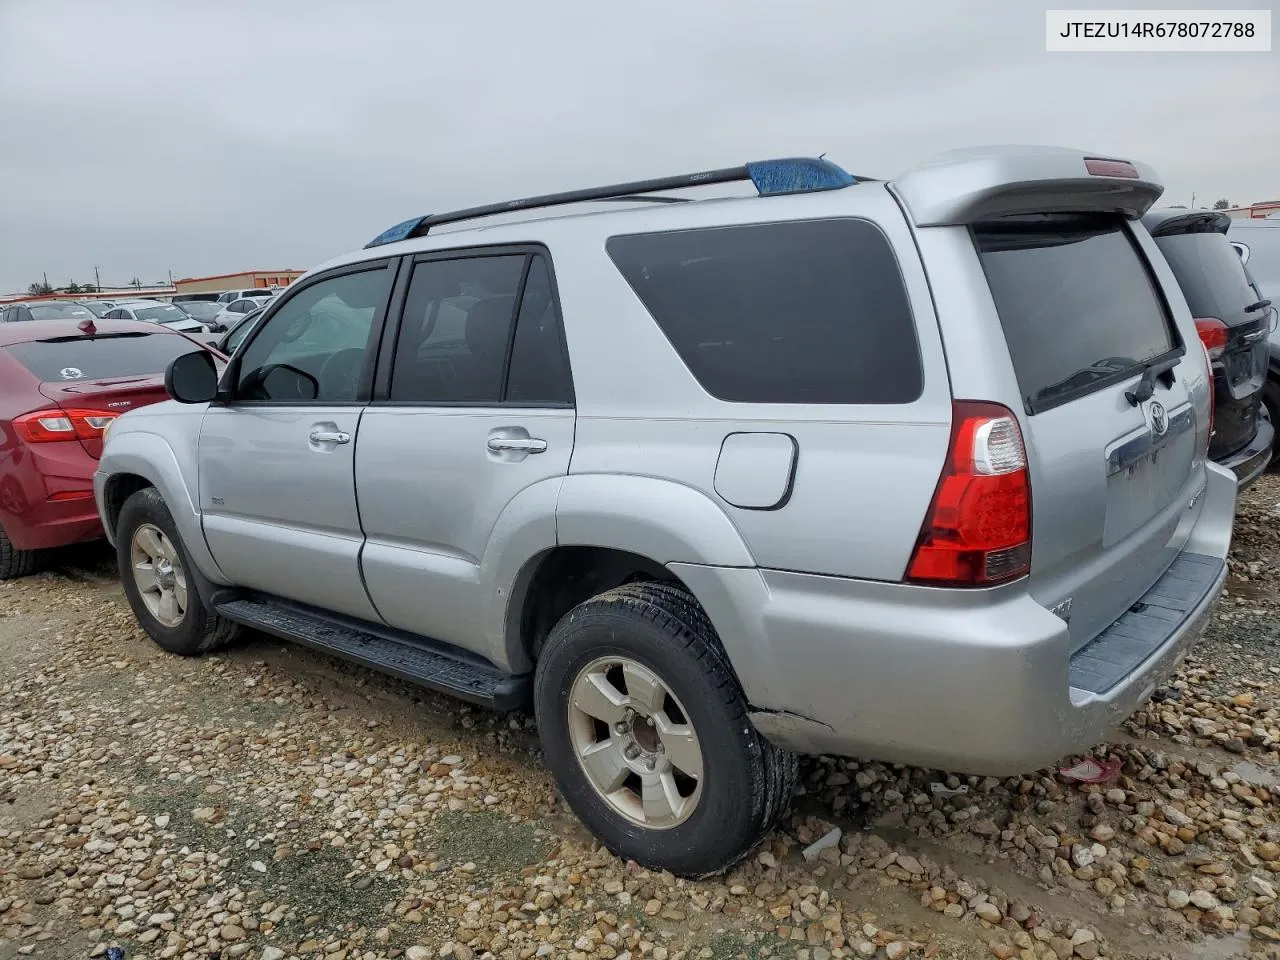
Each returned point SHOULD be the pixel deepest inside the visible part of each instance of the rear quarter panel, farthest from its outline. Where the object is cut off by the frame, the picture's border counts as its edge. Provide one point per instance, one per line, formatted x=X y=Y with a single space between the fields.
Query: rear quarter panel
x=864 y=474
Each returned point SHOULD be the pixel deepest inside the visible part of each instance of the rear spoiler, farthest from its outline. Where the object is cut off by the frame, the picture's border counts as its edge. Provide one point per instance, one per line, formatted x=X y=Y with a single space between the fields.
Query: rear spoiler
x=1169 y=222
x=978 y=183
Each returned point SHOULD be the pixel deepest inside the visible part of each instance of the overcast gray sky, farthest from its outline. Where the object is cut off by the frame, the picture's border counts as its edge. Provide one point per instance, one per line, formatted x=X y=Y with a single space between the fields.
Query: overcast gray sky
x=207 y=137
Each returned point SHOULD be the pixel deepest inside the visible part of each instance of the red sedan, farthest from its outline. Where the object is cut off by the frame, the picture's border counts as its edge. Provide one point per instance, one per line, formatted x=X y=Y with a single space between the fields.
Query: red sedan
x=61 y=384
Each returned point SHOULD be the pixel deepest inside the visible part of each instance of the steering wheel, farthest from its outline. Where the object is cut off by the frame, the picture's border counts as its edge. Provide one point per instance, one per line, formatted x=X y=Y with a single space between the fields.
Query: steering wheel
x=340 y=374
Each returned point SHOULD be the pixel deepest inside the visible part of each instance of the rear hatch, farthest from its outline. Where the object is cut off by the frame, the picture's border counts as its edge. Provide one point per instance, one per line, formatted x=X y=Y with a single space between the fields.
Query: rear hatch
x=93 y=378
x=1232 y=320
x=1114 y=440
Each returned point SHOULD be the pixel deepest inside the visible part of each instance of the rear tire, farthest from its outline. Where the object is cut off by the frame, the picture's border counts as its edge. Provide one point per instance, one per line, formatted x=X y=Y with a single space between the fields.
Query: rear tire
x=15 y=563
x=630 y=642
x=153 y=564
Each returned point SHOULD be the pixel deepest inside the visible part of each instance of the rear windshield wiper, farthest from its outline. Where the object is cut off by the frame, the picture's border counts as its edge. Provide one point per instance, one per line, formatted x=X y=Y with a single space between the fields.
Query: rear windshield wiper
x=81 y=337
x=1099 y=370
x=1260 y=305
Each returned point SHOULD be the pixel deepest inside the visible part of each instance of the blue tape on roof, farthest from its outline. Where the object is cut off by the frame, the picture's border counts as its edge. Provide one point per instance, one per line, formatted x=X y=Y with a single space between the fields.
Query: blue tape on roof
x=392 y=234
x=797 y=175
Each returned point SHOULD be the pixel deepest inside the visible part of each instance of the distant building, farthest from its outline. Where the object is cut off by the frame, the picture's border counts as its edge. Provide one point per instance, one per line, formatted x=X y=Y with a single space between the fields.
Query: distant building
x=1255 y=211
x=246 y=280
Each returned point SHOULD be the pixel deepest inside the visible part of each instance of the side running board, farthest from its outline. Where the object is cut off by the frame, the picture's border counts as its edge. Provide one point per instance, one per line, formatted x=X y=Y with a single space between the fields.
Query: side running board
x=415 y=659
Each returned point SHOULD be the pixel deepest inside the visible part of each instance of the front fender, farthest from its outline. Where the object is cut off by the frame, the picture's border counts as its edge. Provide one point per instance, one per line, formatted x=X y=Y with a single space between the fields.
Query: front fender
x=152 y=457
x=664 y=521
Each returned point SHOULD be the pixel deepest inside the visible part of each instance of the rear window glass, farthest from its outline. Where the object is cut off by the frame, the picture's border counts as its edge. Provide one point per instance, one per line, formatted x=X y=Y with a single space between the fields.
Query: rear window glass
x=799 y=312
x=1078 y=305
x=100 y=358
x=1210 y=274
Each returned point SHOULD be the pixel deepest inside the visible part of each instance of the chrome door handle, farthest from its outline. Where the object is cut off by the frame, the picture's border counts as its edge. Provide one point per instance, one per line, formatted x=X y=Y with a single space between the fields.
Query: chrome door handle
x=522 y=444
x=330 y=436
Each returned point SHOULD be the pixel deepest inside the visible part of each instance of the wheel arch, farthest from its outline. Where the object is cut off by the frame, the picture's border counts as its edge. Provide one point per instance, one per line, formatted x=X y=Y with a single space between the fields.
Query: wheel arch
x=134 y=461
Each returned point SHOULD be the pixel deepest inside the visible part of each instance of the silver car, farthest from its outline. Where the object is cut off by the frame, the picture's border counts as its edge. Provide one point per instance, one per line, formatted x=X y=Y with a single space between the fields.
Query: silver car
x=911 y=470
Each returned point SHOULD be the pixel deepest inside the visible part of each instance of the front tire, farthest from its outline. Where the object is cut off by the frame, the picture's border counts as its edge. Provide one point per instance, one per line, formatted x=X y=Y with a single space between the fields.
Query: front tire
x=153 y=568
x=645 y=729
x=15 y=563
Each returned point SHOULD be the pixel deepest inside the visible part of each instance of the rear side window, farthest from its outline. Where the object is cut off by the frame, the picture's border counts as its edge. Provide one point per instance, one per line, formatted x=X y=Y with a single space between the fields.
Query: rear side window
x=100 y=358
x=1077 y=302
x=1210 y=273
x=799 y=312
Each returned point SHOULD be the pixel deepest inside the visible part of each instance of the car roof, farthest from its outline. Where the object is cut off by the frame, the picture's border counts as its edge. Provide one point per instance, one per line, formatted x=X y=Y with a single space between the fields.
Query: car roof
x=11 y=333
x=142 y=303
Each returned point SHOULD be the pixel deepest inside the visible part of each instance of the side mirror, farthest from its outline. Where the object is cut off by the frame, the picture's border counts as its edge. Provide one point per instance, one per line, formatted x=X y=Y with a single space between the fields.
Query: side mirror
x=192 y=378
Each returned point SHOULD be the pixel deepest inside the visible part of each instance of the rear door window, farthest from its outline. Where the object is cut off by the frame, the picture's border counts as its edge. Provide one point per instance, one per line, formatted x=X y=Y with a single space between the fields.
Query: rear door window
x=810 y=311
x=1077 y=302
x=101 y=357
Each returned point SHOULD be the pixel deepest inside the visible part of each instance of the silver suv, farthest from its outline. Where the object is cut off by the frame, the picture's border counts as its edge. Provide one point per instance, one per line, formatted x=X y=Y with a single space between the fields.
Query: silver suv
x=911 y=470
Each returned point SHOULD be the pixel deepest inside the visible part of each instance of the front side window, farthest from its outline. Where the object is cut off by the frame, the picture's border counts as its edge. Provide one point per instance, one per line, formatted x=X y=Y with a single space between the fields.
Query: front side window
x=313 y=348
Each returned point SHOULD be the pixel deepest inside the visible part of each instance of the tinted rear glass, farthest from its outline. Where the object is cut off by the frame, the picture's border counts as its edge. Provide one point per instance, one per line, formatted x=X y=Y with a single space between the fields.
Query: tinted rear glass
x=799 y=312
x=1078 y=305
x=101 y=358
x=1211 y=275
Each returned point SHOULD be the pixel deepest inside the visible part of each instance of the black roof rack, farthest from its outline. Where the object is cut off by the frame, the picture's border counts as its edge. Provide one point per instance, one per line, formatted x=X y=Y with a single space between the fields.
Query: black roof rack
x=771 y=178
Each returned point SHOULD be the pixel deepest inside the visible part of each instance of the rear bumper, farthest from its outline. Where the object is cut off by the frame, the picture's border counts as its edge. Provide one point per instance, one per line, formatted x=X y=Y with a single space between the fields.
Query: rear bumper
x=1249 y=463
x=46 y=499
x=971 y=681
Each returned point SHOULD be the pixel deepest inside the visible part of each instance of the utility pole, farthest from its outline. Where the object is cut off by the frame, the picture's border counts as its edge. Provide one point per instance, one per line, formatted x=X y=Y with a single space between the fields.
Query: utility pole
x=1193 y=201
x=97 y=280
x=45 y=274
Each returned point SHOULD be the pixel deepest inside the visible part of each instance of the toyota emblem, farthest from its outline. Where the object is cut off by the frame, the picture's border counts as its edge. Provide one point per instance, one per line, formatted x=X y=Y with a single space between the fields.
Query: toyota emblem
x=1159 y=418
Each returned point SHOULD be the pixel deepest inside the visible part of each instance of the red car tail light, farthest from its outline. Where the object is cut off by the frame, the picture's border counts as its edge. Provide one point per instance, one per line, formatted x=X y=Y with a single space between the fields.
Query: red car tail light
x=1213 y=334
x=977 y=532
x=52 y=426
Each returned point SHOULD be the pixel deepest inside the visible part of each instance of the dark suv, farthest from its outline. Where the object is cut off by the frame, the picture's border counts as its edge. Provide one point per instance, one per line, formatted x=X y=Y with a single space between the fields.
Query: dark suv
x=1233 y=323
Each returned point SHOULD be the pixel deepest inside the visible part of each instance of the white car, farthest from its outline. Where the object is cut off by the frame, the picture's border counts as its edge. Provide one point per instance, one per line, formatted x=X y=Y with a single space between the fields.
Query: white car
x=228 y=296
x=234 y=311
x=156 y=311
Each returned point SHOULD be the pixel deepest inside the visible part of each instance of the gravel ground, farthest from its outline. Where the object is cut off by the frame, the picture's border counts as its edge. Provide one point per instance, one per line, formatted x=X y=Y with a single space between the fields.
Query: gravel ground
x=270 y=803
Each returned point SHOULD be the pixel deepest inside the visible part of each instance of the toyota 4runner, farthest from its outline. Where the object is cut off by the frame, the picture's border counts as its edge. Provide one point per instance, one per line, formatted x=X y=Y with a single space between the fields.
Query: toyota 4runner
x=910 y=470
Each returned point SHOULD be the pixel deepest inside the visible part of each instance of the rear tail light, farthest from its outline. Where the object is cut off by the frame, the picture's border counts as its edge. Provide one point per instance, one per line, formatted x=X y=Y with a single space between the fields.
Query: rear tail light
x=51 y=426
x=1213 y=334
x=978 y=529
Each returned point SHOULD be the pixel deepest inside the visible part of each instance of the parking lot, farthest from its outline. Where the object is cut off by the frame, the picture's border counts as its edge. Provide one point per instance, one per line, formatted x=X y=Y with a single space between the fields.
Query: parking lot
x=271 y=803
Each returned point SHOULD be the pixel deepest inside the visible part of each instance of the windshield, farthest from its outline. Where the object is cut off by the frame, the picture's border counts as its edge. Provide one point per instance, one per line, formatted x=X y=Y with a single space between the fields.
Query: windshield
x=59 y=311
x=201 y=309
x=97 y=309
x=165 y=314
